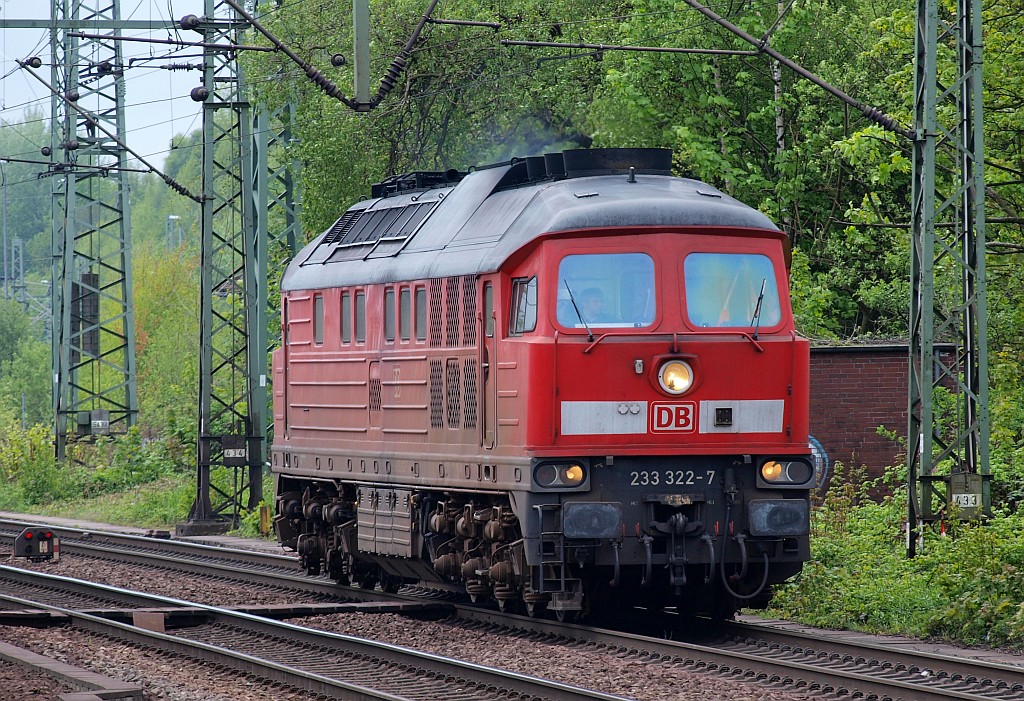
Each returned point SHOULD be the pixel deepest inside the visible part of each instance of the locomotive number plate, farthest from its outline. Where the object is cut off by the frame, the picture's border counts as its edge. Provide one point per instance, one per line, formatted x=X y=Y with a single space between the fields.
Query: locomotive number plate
x=683 y=478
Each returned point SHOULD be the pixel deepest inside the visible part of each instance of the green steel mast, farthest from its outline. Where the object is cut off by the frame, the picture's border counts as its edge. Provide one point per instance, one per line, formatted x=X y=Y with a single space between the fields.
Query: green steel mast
x=231 y=431
x=93 y=351
x=250 y=210
x=948 y=455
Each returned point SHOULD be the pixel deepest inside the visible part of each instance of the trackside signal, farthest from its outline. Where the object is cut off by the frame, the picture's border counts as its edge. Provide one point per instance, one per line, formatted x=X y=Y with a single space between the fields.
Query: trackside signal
x=37 y=544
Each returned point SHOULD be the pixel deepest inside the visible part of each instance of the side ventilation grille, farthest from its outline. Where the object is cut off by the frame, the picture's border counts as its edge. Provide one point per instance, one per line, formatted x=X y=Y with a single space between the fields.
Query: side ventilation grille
x=453 y=318
x=469 y=311
x=435 y=313
x=436 y=394
x=452 y=387
x=375 y=403
x=470 y=394
x=452 y=324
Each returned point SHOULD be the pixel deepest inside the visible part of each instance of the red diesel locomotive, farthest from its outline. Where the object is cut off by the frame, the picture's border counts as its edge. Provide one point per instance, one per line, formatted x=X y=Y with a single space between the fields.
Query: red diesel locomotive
x=548 y=382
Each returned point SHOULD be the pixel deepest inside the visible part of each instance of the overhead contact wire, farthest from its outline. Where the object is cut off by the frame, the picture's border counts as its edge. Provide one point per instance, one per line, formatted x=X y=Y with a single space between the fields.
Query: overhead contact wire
x=331 y=89
x=171 y=182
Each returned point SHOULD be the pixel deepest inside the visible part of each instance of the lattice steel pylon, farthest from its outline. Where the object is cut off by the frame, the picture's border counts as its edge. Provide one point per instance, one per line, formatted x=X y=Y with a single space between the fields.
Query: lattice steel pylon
x=231 y=433
x=93 y=356
x=947 y=442
x=244 y=190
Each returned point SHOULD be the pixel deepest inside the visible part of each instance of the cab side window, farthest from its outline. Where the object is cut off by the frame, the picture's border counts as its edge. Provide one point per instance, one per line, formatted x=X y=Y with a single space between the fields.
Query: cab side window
x=524 y=305
x=318 y=320
x=360 y=317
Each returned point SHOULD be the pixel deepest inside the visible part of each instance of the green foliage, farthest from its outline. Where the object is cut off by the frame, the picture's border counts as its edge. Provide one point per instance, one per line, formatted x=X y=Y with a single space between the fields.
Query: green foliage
x=26 y=194
x=25 y=384
x=28 y=467
x=15 y=325
x=966 y=585
x=166 y=312
x=115 y=464
x=811 y=299
x=122 y=462
x=981 y=573
x=160 y=504
x=24 y=365
x=249 y=525
x=153 y=202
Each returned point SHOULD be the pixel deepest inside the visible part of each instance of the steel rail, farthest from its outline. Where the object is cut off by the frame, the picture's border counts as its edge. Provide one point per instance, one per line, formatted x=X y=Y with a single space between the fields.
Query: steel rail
x=183 y=546
x=265 y=569
x=758 y=659
x=965 y=665
x=757 y=665
x=446 y=672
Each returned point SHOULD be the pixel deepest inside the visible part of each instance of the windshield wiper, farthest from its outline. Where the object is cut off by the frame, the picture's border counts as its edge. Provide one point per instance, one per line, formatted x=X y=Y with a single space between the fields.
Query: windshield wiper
x=755 y=320
x=590 y=334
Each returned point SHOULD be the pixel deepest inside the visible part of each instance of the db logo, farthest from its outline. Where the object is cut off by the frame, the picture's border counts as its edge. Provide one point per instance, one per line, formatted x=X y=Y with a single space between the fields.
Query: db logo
x=673 y=417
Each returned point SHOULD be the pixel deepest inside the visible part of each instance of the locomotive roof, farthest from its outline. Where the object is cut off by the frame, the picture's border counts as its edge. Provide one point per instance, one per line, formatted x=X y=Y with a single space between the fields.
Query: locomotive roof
x=474 y=225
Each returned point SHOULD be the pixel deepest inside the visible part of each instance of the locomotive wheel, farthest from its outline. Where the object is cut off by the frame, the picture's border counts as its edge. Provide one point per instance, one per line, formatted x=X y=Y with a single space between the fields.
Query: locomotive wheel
x=506 y=605
x=566 y=616
x=533 y=609
x=390 y=584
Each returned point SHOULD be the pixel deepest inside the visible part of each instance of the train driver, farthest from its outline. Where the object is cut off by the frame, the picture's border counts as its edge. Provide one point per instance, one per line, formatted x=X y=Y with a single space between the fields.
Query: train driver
x=592 y=306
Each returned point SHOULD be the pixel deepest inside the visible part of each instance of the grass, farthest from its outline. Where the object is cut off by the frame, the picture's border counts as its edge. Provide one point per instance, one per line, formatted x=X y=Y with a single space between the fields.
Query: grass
x=160 y=504
x=965 y=585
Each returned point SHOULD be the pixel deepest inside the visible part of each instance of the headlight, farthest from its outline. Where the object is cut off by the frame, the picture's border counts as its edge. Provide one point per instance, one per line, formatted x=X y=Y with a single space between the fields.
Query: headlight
x=791 y=473
x=675 y=377
x=574 y=475
x=555 y=475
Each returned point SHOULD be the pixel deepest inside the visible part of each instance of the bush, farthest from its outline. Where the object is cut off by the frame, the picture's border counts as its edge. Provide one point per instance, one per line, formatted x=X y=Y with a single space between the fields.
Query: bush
x=965 y=585
x=249 y=525
x=109 y=465
x=117 y=463
x=981 y=571
x=27 y=463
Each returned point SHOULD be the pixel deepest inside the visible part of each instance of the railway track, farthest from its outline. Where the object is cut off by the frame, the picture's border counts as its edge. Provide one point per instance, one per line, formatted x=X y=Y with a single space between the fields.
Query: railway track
x=813 y=662
x=179 y=552
x=829 y=665
x=338 y=666
x=268 y=570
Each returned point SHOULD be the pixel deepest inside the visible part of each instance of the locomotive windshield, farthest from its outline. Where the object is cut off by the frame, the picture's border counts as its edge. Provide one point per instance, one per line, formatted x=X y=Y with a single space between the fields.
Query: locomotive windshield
x=606 y=290
x=731 y=289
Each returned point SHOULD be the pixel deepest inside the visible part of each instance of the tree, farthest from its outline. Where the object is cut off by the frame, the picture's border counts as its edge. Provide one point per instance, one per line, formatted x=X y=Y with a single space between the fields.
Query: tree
x=167 y=333
x=26 y=199
x=25 y=385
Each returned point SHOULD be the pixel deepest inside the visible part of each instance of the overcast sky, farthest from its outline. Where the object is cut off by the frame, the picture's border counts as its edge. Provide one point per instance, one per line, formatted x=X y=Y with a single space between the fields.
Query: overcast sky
x=157 y=102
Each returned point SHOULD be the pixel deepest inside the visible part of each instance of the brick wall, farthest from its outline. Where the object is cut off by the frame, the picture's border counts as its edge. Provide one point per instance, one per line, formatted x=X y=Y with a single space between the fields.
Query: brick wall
x=854 y=390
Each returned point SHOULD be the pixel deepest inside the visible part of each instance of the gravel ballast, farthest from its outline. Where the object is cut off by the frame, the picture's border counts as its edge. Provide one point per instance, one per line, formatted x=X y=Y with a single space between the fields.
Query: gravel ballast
x=175 y=679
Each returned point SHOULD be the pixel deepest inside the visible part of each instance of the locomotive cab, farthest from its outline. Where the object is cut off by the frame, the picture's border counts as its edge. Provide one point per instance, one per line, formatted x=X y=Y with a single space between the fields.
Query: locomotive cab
x=670 y=420
x=597 y=391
